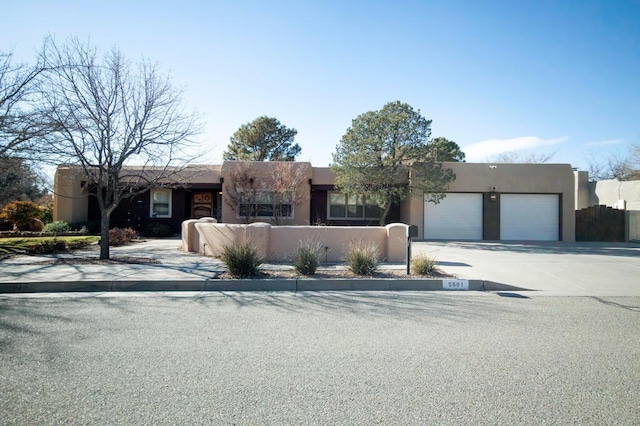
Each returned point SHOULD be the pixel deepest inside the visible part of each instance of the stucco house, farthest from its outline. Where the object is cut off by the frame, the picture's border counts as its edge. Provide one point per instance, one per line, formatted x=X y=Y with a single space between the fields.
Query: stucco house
x=485 y=202
x=614 y=194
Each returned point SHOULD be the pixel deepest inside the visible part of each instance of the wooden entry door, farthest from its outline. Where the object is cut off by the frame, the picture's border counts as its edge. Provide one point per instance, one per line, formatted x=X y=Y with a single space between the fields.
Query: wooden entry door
x=202 y=205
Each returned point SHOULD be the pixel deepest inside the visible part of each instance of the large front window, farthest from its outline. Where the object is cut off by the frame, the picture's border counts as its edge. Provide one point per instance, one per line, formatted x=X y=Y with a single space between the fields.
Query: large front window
x=343 y=206
x=160 y=203
x=266 y=205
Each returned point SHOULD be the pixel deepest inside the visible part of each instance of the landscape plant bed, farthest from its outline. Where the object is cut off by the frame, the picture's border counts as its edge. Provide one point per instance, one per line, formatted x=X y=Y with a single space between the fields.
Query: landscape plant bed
x=30 y=234
x=43 y=245
x=337 y=273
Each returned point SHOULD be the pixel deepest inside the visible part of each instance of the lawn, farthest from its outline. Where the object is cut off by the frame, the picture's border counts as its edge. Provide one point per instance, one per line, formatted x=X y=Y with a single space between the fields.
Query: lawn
x=41 y=245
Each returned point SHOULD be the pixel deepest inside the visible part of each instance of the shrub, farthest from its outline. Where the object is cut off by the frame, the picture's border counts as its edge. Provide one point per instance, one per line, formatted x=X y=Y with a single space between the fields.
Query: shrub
x=20 y=213
x=91 y=227
x=34 y=225
x=306 y=257
x=157 y=230
x=121 y=236
x=362 y=257
x=242 y=260
x=57 y=226
x=423 y=265
x=46 y=214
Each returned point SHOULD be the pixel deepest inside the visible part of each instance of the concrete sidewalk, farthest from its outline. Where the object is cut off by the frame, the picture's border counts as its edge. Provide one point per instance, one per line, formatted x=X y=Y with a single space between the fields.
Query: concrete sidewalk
x=177 y=270
x=558 y=269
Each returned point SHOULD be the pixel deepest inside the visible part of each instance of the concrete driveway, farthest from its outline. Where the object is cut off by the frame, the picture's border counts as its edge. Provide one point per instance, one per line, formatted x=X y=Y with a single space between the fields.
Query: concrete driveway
x=557 y=268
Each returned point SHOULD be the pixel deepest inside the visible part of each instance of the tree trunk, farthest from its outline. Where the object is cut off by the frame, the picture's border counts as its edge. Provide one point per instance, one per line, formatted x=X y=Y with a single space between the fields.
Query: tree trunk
x=104 y=235
x=385 y=212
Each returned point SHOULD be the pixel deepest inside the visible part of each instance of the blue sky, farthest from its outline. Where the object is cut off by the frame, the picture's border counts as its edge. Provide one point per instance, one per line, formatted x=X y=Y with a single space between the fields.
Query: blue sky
x=544 y=76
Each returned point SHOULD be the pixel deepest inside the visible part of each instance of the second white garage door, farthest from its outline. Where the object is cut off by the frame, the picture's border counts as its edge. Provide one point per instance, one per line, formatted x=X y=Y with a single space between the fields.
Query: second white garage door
x=529 y=217
x=457 y=217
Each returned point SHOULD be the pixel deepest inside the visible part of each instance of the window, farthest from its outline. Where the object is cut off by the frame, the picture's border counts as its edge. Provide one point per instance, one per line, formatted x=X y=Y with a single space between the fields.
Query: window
x=265 y=204
x=343 y=206
x=160 y=203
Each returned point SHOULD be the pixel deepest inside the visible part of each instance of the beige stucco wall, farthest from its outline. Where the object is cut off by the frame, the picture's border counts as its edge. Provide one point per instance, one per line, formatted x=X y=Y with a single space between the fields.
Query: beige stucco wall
x=70 y=201
x=609 y=192
x=581 y=187
x=261 y=171
x=510 y=178
x=322 y=176
x=277 y=243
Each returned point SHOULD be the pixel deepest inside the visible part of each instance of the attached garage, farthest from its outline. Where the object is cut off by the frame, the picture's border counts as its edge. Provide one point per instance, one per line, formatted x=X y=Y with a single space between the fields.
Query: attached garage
x=457 y=217
x=530 y=217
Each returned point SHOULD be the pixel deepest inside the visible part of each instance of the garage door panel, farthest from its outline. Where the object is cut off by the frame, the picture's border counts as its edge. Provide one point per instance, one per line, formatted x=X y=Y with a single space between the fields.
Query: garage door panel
x=529 y=217
x=456 y=217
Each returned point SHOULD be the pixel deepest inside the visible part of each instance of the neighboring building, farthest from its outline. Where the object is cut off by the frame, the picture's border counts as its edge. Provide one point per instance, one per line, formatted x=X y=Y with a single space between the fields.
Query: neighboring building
x=623 y=196
x=485 y=202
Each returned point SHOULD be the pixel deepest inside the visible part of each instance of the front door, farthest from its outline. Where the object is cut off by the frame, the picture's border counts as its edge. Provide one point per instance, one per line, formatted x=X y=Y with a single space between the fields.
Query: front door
x=202 y=205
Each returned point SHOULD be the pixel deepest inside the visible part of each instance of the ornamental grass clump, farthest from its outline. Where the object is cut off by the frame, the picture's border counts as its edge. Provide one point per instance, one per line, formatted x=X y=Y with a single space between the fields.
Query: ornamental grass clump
x=306 y=257
x=362 y=257
x=242 y=260
x=423 y=265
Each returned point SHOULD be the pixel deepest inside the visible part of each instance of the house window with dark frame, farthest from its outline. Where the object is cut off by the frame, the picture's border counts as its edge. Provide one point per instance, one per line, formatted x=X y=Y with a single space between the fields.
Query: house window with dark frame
x=343 y=206
x=160 y=206
x=265 y=204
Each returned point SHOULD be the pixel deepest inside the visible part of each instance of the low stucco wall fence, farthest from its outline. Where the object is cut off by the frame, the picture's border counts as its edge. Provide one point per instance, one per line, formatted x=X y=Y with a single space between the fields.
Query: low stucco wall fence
x=277 y=243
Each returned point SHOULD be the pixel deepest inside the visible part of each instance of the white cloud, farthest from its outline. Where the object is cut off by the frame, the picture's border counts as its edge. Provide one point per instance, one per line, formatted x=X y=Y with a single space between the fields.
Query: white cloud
x=481 y=151
x=604 y=143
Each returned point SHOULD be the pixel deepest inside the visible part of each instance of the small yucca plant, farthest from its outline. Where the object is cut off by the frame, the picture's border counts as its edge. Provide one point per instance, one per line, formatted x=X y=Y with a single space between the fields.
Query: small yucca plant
x=423 y=265
x=362 y=257
x=306 y=257
x=242 y=260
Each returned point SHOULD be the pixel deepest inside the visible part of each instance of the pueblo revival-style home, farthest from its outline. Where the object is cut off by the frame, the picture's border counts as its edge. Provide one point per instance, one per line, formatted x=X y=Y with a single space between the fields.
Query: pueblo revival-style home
x=485 y=202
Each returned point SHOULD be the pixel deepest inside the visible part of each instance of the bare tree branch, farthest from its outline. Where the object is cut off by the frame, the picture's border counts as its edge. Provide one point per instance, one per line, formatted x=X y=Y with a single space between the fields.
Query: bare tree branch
x=107 y=115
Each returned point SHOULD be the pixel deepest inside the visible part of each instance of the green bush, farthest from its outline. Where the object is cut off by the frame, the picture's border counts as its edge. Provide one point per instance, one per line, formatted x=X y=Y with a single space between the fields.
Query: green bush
x=423 y=265
x=157 y=230
x=20 y=213
x=57 y=226
x=362 y=258
x=121 y=236
x=46 y=214
x=242 y=260
x=91 y=227
x=306 y=257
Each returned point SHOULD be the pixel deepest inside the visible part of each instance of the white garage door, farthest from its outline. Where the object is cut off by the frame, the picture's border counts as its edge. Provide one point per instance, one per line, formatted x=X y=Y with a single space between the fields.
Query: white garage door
x=529 y=217
x=456 y=217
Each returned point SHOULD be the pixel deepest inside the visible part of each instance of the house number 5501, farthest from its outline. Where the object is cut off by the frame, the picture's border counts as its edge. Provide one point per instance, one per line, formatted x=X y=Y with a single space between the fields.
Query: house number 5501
x=455 y=284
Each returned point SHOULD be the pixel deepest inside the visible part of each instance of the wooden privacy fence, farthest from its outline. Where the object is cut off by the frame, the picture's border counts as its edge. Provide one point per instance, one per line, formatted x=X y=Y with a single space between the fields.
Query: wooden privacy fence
x=600 y=223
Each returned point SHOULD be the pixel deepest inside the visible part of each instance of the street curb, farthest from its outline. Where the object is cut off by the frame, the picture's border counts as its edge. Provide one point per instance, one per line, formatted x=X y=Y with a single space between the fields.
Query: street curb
x=260 y=285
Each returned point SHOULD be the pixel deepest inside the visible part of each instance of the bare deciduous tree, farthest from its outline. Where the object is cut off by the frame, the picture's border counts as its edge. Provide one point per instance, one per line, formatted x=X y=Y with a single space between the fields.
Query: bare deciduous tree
x=289 y=188
x=616 y=165
x=107 y=114
x=274 y=195
x=240 y=191
x=18 y=123
x=522 y=157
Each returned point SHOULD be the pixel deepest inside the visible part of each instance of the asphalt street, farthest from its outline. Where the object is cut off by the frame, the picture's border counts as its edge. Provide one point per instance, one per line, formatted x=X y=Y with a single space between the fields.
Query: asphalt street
x=319 y=358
